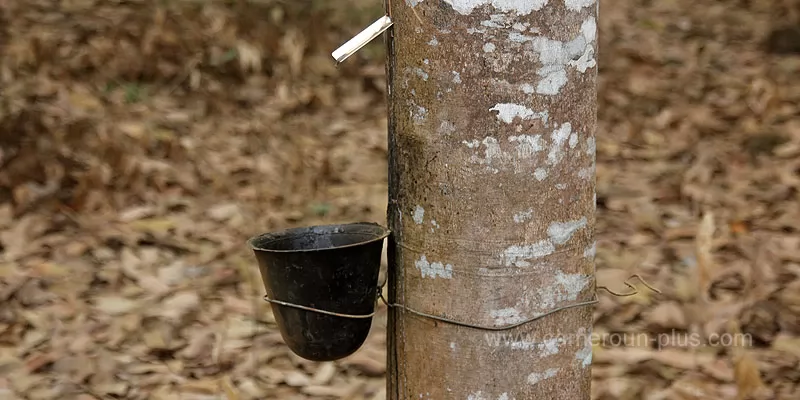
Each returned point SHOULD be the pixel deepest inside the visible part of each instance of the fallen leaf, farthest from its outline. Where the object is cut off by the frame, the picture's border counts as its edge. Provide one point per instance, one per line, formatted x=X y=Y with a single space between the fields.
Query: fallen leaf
x=628 y=356
x=153 y=225
x=788 y=345
x=739 y=227
x=342 y=392
x=682 y=359
x=51 y=270
x=747 y=375
x=201 y=342
x=223 y=212
x=324 y=373
x=719 y=370
x=704 y=241
x=38 y=361
x=230 y=391
x=667 y=315
x=115 y=305
x=176 y=307
x=205 y=386
x=297 y=379
x=116 y=389
x=369 y=366
x=251 y=388
x=136 y=213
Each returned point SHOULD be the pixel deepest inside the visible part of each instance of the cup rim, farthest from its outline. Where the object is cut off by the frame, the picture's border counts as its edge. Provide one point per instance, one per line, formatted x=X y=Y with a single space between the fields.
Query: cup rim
x=380 y=232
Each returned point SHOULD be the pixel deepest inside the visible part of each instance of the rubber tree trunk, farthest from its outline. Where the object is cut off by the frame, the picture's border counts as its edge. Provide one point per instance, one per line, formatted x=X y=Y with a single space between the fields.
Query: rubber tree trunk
x=492 y=115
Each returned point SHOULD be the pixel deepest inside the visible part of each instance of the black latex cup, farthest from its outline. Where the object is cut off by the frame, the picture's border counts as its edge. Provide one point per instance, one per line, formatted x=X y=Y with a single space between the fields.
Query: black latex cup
x=332 y=268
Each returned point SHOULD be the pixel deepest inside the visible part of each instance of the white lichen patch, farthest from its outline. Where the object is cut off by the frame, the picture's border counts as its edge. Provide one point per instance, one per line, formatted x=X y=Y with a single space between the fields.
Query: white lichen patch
x=584 y=355
x=519 y=7
x=573 y=140
x=477 y=396
x=536 y=377
x=553 y=79
x=527 y=88
x=413 y=3
x=418 y=113
x=543 y=349
x=523 y=216
x=446 y=128
x=421 y=73
x=434 y=226
x=452 y=345
x=495 y=156
x=456 y=77
x=495 y=21
x=419 y=215
x=506 y=316
x=555 y=55
x=503 y=396
x=589 y=29
x=523 y=344
x=591 y=147
x=549 y=347
x=586 y=59
x=586 y=173
x=489 y=47
x=519 y=256
x=433 y=269
x=540 y=174
x=507 y=112
x=472 y=144
x=527 y=145
x=433 y=42
x=567 y=287
x=590 y=251
x=577 y=5
x=519 y=38
x=561 y=232
x=558 y=138
x=561 y=186
x=492 y=152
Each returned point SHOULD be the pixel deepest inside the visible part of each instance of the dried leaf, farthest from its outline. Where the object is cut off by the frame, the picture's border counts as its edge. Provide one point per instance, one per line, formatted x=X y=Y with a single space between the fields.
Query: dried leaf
x=366 y=363
x=667 y=315
x=223 y=212
x=136 y=213
x=706 y=267
x=324 y=374
x=204 y=386
x=200 y=343
x=115 y=305
x=252 y=389
x=153 y=225
x=297 y=379
x=787 y=345
x=177 y=306
x=682 y=359
x=747 y=375
x=230 y=391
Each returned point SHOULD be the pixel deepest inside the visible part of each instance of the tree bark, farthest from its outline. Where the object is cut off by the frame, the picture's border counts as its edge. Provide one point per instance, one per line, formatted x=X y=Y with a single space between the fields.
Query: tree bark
x=492 y=116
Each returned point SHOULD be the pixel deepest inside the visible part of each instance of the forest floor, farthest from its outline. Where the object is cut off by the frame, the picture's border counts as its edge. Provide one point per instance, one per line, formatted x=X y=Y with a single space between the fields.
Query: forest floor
x=142 y=143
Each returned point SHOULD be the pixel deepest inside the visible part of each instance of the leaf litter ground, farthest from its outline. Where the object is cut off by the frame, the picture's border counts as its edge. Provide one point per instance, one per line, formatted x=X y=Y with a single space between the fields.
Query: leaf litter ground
x=142 y=142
